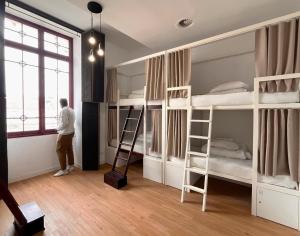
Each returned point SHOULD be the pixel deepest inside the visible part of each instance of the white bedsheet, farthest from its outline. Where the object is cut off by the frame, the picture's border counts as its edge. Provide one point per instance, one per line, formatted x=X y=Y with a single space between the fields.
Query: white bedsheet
x=230 y=99
x=232 y=167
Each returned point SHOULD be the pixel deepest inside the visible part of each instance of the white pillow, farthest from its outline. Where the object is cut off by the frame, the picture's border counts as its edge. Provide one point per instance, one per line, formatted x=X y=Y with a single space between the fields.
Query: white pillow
x=229 y=85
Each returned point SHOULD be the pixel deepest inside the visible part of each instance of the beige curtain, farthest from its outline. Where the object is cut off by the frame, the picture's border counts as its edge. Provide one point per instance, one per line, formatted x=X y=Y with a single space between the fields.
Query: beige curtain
x=179 y=71
x=277 y=51
x=155 y=81
x=180 y=67
x=112 y=125
x=156 y=142
x=112 y=86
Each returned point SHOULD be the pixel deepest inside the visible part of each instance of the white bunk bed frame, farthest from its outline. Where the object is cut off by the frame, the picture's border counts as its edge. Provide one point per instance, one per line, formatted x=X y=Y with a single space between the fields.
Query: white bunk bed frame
x=258 y=206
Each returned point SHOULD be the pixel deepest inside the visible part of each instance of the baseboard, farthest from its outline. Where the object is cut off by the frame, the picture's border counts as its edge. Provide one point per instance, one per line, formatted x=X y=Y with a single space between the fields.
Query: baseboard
x=32 y=174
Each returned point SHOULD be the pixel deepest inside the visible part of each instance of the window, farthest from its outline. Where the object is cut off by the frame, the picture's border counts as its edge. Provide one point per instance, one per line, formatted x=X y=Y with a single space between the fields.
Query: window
x=38 y=72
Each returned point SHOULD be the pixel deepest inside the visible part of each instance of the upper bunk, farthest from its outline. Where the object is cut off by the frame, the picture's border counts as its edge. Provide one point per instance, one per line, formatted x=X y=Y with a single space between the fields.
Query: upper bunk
x=131 y=89
x=223 y=76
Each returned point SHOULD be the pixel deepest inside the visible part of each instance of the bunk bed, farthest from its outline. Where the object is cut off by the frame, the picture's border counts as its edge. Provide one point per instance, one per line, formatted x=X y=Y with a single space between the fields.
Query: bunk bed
x=269 y=193
x=152 y=160
x=240 y=170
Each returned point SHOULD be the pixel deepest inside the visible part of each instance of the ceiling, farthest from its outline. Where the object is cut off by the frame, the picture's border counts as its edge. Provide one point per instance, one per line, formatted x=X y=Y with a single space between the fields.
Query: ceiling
x=151 y=24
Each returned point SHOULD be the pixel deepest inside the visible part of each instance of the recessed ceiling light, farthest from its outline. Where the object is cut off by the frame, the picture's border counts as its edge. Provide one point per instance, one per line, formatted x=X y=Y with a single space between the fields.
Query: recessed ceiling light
x=184 y=23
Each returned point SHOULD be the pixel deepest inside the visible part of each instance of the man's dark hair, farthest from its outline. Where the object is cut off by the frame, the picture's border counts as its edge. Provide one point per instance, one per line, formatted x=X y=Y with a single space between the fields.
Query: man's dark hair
x=63 y=102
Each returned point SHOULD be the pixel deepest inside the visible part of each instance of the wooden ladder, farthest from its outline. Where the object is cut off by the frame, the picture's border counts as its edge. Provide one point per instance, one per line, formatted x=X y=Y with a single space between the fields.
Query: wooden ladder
x=116 y=178
x=187 y=163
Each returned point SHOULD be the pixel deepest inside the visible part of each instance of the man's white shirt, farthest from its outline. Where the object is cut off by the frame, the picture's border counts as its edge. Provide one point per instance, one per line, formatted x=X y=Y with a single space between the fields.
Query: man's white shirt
x=66 y=121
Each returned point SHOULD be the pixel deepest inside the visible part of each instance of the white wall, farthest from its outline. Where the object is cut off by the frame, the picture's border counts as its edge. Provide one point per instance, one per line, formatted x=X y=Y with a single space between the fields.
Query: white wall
x=208 y=74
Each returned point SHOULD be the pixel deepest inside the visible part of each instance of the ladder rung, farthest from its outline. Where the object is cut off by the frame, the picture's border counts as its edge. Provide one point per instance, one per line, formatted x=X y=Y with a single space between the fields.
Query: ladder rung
x=200 y=154
x=126 y=144
x=196 y=189
x=199 y=137
x=129 y=118
x=128 y=131
x=201 y=121
x=196 y=170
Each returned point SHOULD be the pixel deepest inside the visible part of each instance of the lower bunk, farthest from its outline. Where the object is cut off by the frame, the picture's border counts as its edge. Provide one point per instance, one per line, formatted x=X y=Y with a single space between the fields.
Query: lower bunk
x=239 y=171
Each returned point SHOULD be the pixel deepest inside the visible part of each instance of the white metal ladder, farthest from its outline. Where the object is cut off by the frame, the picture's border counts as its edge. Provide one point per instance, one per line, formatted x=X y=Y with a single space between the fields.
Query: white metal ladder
x=187 y=163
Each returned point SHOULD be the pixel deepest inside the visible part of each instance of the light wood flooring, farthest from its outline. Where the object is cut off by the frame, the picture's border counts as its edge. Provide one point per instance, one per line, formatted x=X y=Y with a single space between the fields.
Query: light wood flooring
x=81 y=204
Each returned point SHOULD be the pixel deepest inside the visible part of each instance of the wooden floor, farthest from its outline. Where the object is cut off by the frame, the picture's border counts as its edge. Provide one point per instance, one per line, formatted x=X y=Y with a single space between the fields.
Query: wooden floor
x=81 y=204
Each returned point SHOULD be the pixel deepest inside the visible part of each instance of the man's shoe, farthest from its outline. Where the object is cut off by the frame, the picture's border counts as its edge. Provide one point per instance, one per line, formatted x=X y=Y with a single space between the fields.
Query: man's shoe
x=70 y=168
x=60 y=173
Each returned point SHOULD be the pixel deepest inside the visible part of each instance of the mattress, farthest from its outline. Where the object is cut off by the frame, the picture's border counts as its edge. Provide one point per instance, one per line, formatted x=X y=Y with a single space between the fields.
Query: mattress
x=279 y=180
x=241 y=169
x=231 y=99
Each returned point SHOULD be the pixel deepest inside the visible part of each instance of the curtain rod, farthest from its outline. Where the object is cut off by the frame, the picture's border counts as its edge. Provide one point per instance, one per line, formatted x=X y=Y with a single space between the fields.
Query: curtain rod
x=215 y=38
x=43 y=15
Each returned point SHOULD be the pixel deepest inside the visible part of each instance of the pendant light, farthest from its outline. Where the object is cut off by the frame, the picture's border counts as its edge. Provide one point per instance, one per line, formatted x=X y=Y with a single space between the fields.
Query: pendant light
x=92 y=39
x=100 y=51
x=94 y=8
x=91 y=56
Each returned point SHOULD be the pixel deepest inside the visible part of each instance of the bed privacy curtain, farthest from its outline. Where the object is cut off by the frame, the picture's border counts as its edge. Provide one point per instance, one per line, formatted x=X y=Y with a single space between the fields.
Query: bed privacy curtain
x=155 y=85
x=156 y=142
x=112 y=86
x=277 y=51
x=179 y=68
x=112 y=97
x=155 y=90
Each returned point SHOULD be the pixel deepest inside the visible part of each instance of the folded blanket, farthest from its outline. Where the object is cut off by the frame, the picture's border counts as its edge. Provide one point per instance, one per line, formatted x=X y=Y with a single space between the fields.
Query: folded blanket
x=229 y=86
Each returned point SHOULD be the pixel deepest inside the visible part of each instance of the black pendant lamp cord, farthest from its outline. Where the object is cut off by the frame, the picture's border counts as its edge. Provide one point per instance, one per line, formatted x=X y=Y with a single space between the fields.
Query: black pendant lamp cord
x=100 y=23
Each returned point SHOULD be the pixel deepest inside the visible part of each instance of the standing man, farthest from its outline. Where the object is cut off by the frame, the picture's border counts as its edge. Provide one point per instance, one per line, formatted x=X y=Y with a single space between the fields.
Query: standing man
x=66 y=132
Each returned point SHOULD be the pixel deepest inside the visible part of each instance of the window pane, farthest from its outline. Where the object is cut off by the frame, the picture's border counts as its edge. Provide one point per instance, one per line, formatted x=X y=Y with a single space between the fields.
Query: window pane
x=31 y=124
x=50 y=47
x=31 y=91
x=13 y=36
x=30 y=41
x=63 y=66
x=30 y=58
x=63 y=51
x=63 y=85
x=51 y=123
x=63 y=42
x=30 y=31
x=12 y=54
x=13 y=25
x=50 y=63
x=50 y=38
x=50 y=93
x=13 y=79
x=14 y=125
